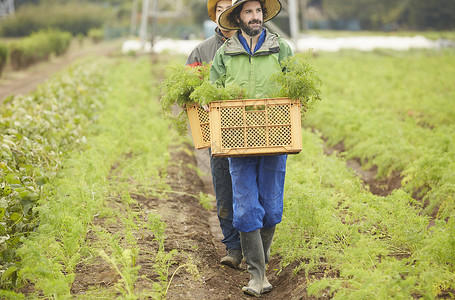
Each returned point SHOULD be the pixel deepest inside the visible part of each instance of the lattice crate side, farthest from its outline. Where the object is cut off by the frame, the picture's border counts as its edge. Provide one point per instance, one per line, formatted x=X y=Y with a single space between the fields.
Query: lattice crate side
x=255 y=127
x=200 y=126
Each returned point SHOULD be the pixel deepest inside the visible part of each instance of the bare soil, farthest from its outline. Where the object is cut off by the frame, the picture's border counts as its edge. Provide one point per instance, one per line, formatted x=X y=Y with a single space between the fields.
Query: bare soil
x=191 y=229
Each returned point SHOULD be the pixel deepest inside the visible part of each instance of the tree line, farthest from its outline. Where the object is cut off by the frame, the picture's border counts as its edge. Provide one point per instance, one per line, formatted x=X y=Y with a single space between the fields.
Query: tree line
x=369 y=14
x=383 y=14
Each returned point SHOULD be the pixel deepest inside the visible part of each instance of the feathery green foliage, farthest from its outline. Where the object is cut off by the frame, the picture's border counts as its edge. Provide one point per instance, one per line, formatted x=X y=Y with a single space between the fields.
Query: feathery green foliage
x=394 y=111
x=186 y=85
x=180 y=82
x=130 y=135
x=299 y=80
x=36 y=132
x=361 y=246
x=176 y=89
x=208 y=92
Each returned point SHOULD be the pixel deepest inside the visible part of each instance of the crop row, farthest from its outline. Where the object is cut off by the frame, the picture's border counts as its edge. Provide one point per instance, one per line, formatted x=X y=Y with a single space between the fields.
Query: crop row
x=38 y=47
x=345 y=240
x=123 y=151
x=37 y=130
x=352 y=244
x=394 y=111
x=66 y=16
x=391 y=111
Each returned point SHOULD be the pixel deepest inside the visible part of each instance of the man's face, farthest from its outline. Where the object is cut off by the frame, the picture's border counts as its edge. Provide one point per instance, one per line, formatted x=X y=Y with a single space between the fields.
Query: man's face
x=251 y=18
x=220 y=7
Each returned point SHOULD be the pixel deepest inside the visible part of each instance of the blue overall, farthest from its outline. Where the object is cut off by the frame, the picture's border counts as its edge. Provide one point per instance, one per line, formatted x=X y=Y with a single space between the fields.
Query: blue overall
x=223 y=193
x=258 y=188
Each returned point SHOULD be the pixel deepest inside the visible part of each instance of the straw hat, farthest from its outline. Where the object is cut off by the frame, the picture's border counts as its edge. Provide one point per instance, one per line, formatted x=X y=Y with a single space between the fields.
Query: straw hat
x=211 y=8
x=273 y=8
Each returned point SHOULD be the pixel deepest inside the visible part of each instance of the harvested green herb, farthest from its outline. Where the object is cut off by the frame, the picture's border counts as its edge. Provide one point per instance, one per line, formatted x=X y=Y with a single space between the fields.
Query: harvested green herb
x=180 y=82
x=208 y=92
x=189 y=84
x=299 y=80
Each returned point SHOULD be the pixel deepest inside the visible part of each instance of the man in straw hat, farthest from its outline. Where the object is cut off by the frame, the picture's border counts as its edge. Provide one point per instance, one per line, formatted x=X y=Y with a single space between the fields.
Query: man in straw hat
x=219 y=166
x=248 y=59
x=205 y=51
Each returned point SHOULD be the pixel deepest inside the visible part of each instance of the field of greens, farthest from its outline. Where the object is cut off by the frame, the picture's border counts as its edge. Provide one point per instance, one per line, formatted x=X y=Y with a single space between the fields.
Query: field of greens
x=395 y=111
x=87 y=143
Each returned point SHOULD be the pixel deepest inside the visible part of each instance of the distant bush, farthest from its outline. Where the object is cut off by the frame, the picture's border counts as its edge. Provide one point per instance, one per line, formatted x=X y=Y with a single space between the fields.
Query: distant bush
x=71 y=17
x=3 y=56
x=80 y=38
x=38 y=47
x=96 y=34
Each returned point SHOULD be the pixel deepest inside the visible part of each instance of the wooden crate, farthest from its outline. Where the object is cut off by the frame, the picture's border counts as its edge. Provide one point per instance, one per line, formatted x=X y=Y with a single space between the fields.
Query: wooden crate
x=200 y=127
x=255 y=127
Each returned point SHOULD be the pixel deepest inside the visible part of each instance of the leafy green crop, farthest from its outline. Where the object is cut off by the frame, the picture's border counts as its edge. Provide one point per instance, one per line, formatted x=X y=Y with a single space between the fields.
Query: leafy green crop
x=3 y=56
x=394 y=111
x=299 y=80
x=180 y=82
x=176 y=89
x=208 y=92
x=35 y=132
x=38 y=47
x=351 y=244
x=186 y=85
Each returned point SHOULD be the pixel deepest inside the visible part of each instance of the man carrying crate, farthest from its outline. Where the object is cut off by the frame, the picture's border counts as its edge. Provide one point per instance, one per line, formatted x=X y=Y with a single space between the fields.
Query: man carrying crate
x=248 y=59
x=221 y=178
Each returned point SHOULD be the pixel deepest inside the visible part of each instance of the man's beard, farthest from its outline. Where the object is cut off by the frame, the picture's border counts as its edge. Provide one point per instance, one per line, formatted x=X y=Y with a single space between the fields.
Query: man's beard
x=250 y=31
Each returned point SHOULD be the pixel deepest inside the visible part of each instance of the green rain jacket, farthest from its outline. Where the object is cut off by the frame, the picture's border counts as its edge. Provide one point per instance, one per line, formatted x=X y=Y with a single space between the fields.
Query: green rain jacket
x=233 y=65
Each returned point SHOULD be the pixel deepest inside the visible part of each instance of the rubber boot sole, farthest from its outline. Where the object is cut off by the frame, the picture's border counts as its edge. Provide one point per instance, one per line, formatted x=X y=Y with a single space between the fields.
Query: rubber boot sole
x=228 y=261
x=250 y=291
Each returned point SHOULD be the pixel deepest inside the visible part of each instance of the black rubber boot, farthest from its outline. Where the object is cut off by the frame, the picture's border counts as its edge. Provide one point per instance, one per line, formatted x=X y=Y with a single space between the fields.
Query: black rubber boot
x=253 y=252
x=232 y=259
x=267 y=237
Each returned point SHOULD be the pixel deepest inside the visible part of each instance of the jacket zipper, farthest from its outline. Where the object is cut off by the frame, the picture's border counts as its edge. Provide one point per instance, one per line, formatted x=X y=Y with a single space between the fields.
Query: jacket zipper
x=251 y=50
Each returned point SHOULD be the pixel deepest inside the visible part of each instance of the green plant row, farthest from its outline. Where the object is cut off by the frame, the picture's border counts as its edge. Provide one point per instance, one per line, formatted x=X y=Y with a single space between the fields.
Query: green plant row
x=350 y=244
x=125 y=153
x=36 y=131
x=38 y=47
x=395 y=111
x=77 y=18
